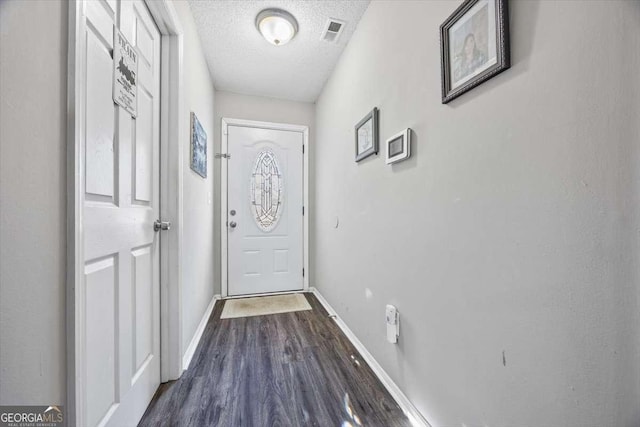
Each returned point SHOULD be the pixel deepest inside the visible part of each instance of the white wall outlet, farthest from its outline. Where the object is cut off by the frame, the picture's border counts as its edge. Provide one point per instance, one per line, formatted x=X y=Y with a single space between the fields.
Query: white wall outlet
x=393 y=324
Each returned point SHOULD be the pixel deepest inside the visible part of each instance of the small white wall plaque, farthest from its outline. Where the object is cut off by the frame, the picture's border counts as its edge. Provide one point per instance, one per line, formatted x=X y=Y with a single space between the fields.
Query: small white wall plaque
x=125 y=73
x=399 y=147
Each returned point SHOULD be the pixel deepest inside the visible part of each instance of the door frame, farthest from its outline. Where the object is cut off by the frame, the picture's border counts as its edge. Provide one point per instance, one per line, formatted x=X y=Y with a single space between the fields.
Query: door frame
x=171 y=104
x=224 y=134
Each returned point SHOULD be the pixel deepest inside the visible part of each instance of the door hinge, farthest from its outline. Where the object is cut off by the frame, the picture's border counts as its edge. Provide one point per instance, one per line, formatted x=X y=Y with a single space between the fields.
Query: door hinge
x=222 y=156
x=303 y=272
x=303 y=210
x=302 y=148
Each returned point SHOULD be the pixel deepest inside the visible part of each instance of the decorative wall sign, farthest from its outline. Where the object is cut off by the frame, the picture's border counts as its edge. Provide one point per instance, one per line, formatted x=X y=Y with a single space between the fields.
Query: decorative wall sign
x=125 y=73
x=198 y=147
x=367 y=135
x=267 y=191
x=474 y=46
x=399 y=147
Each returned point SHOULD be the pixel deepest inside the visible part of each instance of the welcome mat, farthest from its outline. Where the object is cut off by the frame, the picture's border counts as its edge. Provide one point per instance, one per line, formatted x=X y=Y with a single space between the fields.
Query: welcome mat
x=261 y=306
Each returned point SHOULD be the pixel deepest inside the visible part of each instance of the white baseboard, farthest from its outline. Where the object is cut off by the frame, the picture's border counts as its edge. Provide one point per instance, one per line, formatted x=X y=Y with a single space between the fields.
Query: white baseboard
x=405 y=404
x=193 y=345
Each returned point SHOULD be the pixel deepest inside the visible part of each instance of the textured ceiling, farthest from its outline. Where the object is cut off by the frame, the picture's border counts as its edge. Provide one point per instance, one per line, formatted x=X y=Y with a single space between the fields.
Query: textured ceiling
x=241 y=61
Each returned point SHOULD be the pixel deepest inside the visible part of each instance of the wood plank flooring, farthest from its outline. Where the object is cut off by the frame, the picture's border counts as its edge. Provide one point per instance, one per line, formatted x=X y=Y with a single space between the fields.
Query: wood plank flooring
x=291 y=369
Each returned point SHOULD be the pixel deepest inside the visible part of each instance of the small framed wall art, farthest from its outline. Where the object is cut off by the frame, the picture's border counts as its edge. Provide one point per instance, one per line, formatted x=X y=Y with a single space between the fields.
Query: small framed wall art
x=399 y=147
x=474 y=46
x=198 y=147
x=367 y=135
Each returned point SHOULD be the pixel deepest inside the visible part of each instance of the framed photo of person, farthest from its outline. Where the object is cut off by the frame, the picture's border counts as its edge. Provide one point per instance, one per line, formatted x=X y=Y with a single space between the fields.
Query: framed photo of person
x=474 y=46
x=399 y=147
x=367 y=135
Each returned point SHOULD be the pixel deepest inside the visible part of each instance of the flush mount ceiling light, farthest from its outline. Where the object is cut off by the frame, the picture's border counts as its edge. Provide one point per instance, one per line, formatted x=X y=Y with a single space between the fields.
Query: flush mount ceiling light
x=277 y=26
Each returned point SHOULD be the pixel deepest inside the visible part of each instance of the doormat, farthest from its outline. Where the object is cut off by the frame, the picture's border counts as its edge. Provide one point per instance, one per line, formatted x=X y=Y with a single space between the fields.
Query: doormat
x=261 y=306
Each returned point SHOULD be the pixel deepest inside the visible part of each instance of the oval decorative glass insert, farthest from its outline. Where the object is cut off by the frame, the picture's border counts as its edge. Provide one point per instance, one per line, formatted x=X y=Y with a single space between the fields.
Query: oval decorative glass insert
x=266 y=191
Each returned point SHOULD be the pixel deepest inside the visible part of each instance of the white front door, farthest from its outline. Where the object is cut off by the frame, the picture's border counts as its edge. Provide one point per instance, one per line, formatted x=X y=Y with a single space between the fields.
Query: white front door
x=119 y=294
x=265 y=210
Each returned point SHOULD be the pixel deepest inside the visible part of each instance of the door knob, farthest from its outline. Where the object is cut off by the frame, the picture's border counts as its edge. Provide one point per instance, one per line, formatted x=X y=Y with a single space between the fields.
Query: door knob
x=161 y=225
x=233 y=224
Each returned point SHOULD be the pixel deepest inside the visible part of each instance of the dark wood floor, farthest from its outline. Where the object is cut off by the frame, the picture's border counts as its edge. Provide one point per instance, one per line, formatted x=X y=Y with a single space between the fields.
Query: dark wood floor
x=291 y=369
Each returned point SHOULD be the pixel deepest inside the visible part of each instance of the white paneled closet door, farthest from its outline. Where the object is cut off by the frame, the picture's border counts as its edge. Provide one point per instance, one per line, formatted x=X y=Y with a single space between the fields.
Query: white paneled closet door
x=120 y=298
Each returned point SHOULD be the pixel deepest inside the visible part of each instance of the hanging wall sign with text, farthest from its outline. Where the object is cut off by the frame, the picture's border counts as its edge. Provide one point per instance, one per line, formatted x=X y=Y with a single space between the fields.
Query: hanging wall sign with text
x=125 y=73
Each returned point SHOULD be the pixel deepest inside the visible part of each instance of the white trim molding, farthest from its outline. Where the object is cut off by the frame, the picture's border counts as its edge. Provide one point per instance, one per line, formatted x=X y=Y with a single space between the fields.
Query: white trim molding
x=416 y=418
x=171 y=197
x=224 y=208
x=197 y=336
x=224 y=146
x=75 y=101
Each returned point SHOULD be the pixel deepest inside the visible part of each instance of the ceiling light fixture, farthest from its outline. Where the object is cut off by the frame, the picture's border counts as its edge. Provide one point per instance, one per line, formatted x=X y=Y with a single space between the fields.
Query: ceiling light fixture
x=277 y=26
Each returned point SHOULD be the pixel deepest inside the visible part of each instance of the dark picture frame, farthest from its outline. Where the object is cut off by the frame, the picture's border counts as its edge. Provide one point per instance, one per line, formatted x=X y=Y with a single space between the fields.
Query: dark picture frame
x=474 y=46
x=198 y=147
x=367 y=135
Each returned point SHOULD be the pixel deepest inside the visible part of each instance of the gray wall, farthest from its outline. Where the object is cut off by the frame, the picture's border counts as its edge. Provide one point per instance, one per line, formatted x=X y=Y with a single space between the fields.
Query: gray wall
x=236 y=106
x=33 y=75
x=509 y=241
x=198 y=221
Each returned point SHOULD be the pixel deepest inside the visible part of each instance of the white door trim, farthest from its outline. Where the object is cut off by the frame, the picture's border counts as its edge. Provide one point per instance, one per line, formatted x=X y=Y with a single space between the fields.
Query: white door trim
x=171 y=198
x=225 y=122
x=166 y=18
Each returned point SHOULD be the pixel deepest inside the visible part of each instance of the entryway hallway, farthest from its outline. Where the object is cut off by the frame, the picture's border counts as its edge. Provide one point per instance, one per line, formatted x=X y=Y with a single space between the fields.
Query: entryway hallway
x=452 y=185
